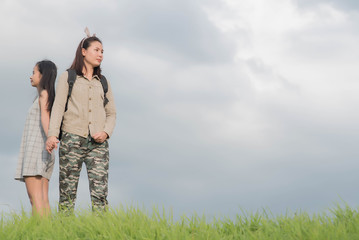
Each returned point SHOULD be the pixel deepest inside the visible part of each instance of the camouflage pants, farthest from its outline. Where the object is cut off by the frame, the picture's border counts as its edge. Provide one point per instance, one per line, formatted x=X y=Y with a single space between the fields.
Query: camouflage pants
x=74 y=150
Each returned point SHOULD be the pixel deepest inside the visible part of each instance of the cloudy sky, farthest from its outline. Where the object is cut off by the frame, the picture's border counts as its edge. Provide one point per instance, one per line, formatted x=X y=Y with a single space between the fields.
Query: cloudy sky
x=222 y=105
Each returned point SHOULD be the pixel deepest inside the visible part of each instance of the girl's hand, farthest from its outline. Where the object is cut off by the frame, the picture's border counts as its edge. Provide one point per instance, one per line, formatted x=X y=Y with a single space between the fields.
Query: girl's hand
x=51 y=143
x=100 y=137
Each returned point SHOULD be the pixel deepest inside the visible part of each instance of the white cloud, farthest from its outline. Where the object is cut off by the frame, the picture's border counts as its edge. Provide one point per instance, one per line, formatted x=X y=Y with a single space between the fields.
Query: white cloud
x=298 y=47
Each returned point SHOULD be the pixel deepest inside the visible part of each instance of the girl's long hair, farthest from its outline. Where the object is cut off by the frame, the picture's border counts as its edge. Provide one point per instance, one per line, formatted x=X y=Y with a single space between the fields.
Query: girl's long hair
x=48 y=71
x=78 y=63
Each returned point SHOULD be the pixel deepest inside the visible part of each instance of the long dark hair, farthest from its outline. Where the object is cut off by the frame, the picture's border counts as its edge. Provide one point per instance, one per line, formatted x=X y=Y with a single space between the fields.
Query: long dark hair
x=78 y=63
x=48 y=71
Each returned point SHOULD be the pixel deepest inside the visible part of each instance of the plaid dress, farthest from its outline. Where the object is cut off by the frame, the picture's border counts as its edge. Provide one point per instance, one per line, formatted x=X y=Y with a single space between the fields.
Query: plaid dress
x=34 y=160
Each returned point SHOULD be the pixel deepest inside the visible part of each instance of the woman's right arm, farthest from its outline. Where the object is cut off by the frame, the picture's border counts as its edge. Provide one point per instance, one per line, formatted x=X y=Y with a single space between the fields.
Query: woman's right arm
x=57 y=112
x=58 y=108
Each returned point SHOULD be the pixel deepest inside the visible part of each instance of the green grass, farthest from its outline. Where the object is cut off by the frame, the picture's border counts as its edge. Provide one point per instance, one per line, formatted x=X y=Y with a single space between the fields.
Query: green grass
x=341 y=222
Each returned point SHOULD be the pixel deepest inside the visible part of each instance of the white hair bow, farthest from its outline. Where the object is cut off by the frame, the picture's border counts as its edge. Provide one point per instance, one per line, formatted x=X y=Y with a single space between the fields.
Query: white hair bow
x=87 y=36
x=88 y=33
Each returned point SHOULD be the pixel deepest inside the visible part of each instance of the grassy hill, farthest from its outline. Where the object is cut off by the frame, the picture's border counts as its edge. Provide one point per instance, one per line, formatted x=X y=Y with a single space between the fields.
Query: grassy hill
x=134 y=223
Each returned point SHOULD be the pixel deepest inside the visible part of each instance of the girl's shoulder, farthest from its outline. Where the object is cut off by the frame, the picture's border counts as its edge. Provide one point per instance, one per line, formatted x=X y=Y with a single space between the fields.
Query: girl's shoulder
x=43 y=99
x=43 y=94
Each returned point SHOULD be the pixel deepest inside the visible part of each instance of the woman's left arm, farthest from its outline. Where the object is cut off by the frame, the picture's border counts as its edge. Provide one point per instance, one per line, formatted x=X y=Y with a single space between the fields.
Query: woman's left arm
x=110 y=112
x=45 y=114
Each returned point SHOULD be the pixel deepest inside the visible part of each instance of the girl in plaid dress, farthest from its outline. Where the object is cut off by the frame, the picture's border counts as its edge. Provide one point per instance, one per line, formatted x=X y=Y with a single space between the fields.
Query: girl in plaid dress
x=35 y=164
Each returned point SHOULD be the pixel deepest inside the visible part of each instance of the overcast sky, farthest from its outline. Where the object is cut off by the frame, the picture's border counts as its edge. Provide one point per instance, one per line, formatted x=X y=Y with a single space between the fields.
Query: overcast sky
x=222 y=105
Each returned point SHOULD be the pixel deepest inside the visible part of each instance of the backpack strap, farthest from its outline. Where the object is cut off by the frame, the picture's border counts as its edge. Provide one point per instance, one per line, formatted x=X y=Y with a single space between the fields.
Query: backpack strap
x=71 y=81
x=103 y=81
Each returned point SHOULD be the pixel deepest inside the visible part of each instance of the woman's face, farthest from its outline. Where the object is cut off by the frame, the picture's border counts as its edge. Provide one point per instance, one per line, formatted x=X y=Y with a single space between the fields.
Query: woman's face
x=36 y=77
x=93 y=55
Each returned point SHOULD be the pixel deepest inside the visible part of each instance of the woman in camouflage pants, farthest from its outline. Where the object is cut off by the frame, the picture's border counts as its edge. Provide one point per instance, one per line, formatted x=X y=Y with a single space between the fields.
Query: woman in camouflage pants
x=86 y=120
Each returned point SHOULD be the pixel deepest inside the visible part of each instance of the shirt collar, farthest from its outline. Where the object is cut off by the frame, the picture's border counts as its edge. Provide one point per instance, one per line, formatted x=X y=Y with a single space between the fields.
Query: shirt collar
x=94 y=76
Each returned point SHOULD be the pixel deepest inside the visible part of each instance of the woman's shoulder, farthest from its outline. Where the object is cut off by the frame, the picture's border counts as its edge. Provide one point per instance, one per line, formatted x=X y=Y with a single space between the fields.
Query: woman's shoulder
x=65 y=74
x=62 y=77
